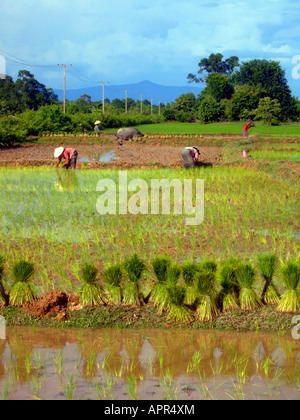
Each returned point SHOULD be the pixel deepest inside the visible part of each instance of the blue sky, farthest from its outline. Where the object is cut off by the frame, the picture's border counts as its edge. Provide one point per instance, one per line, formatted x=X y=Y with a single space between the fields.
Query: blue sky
x=127 y=41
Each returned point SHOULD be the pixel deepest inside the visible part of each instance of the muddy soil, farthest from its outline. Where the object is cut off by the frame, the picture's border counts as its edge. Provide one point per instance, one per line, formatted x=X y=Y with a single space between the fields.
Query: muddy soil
x=109 y=154
x=54 y=303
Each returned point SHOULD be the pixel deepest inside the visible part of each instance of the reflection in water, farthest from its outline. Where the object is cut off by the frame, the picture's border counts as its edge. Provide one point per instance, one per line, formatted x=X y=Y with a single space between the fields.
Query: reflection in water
x=148 y=364
x=103 y=157
x=66 y=180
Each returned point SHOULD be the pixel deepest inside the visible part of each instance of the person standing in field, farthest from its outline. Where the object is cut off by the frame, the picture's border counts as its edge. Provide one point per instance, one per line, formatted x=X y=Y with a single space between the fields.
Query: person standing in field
x=190 y=156
x=68 y=154
x=96 y=128
x=246 y=128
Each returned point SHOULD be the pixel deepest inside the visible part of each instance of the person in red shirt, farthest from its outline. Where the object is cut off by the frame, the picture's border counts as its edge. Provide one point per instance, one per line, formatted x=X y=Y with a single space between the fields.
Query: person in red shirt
x=246 y=128
x=68 y=154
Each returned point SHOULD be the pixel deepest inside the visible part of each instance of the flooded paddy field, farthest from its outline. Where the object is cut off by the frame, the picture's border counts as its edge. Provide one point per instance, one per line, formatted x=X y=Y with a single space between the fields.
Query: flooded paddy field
x=153 y=365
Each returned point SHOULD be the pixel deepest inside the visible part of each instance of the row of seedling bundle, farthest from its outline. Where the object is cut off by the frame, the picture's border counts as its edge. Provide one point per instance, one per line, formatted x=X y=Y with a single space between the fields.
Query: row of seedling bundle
x=186 y=292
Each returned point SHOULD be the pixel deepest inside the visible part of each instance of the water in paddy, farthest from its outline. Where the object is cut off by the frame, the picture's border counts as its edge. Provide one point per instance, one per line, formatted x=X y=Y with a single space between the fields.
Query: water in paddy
x=104 y=157
x=147 y=364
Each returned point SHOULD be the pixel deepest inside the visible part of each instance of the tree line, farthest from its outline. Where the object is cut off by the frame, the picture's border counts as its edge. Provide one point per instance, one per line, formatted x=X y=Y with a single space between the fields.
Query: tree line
x=232 y=91
x=255 y=89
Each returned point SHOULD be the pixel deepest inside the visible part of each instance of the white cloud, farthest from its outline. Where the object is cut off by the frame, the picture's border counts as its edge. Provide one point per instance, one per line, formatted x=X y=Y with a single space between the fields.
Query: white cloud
x=132 y=40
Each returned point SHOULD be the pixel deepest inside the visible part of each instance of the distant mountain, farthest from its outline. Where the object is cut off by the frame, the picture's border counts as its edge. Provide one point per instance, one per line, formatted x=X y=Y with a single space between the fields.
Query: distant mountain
x=158 y=93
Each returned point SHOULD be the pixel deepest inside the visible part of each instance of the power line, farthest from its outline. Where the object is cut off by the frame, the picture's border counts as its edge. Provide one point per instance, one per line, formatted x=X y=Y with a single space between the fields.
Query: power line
x=82 y=76
x=17 y=60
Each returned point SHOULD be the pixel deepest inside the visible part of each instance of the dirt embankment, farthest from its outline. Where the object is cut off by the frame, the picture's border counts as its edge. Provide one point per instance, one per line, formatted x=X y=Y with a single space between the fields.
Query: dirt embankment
x=109 y=154
x=51 y=304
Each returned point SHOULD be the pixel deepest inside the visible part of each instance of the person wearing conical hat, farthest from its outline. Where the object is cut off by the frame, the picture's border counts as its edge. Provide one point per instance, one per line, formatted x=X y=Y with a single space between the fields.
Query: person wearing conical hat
x=96 y=128
x=68 y=154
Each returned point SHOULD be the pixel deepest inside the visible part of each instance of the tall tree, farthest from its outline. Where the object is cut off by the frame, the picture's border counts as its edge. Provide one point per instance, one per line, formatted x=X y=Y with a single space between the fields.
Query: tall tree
x=32 y=94
x=218 y=86
x=271 y=77
x=214 y=64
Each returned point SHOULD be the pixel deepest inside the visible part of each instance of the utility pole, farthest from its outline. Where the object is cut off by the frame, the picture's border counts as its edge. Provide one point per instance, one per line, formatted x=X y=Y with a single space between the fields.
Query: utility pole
x=65 y=83
x=103 y=106
x=126 y=91
x=159 y=108
x=151 y=99
x=141 y=95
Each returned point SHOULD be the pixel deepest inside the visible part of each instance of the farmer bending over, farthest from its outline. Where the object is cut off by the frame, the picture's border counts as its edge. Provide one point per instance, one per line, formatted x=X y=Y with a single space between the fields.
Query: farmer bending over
x=246 y=128
x=70 y=156
x=190 y=156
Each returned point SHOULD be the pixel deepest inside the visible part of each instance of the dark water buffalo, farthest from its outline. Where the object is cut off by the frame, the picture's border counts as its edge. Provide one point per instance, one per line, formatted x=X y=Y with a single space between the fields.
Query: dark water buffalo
x=127 y=133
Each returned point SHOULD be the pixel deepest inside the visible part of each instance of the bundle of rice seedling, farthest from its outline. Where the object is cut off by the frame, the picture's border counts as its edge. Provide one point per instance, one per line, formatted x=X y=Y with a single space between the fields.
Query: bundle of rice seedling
x=134 y=267
x=173 y=274
x=189 y=271
x=160 y=266
x=162 y=297
x=229 y=295
x=207 y=307
x=113 y=276
x=90 y=291
x=178 y=311
x=248 y=298
x=267 y=265
x=3 y=296
x=290 y=300
x=23 y=289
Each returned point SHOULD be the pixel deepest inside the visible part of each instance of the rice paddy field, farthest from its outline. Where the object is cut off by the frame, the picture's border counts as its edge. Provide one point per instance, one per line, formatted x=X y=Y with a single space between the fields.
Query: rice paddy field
x=246 y=213
x=250 y=208
x=118 y=365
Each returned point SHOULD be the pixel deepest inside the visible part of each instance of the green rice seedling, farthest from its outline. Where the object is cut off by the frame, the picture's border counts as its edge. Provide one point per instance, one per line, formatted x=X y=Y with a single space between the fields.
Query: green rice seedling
x=290 y=300
x=248 y=298
x=59 y=361
x=206 y=306
x=23 y=289
x=229 y=295
x=91 y=364
x=132 y=387
x=113 y=276
x=134 y=267
x=189 y=271
x=3 y=296
x=160 y=266
x=193 y=366
x=173 y=275
x=70 y=388
x=90 y=292
x=5 y=392
x=170 y=387
x=178 y=311
x=267 y=265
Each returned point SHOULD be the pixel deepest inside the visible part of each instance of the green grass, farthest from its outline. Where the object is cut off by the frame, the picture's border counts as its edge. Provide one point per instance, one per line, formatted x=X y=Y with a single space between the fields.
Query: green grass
x=235 y=128
x=292 y=156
